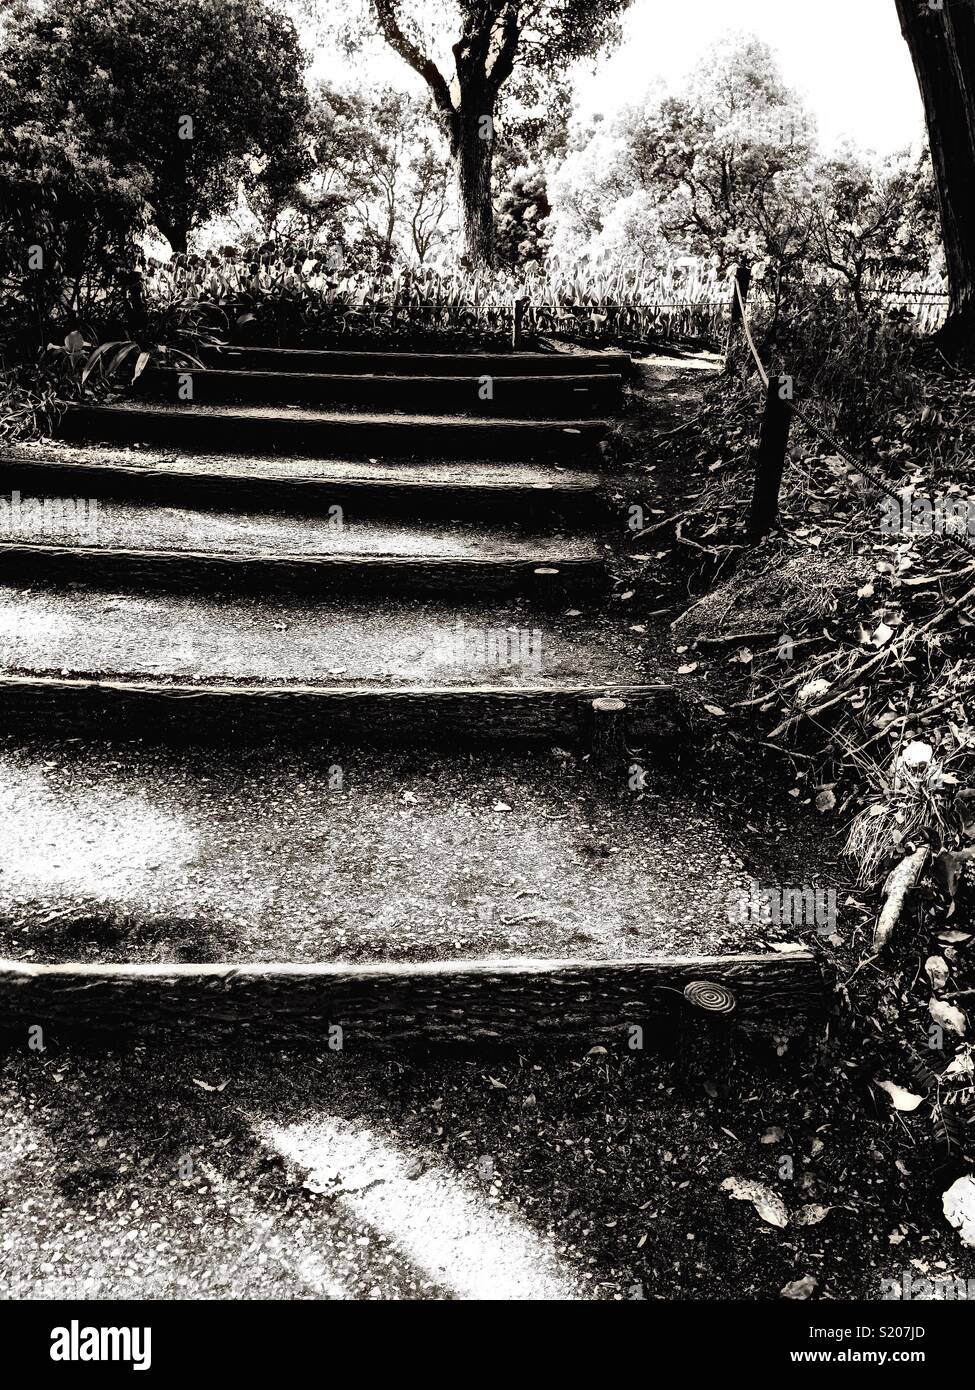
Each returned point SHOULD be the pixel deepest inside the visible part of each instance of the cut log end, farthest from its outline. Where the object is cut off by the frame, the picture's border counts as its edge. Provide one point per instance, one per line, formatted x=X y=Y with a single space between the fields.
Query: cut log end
x=608 y=751
x=710 y=996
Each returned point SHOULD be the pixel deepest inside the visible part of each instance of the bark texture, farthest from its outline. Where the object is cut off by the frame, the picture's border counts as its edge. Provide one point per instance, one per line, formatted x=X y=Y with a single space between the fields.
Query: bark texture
x=519 y=1002
x=942 y=45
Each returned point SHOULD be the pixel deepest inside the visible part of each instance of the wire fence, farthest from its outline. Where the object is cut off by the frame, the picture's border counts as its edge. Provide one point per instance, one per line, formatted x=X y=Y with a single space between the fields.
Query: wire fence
x=780 y=399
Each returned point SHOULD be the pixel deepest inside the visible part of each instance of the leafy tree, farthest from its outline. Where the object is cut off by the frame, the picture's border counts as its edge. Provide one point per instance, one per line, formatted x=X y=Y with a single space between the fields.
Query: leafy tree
x=522 y=218
x=728 y=159
x=380 y=177
x=495 y=40
x=599 y=212
x=182 y=100
x=871 y=221
x=942 y=44
x=67 y=214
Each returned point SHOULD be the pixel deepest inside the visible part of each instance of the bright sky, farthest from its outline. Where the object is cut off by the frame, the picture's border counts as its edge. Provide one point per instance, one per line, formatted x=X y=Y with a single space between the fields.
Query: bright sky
x=846 y=57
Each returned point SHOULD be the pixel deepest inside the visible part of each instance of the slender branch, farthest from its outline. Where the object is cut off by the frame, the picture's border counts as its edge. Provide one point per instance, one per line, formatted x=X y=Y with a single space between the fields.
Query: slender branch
x=426 y=68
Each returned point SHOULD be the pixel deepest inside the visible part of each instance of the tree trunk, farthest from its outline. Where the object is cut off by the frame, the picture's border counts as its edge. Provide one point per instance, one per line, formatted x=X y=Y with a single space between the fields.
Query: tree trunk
x=475 y=155
x=942 y=45
x=176 y=230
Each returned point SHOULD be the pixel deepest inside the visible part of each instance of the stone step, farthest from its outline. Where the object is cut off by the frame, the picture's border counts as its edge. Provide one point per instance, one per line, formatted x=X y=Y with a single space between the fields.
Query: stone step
x=209 y=665
x=415 y=894
x=115 y=543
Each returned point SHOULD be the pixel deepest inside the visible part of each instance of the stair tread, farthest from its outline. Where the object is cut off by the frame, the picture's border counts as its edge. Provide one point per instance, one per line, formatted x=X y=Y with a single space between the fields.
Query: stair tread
x=580 y=380
x=453 y=473
x=147 y=527
x=377 y=644
x=160 y=854
x=433 y=362
x=319 y=416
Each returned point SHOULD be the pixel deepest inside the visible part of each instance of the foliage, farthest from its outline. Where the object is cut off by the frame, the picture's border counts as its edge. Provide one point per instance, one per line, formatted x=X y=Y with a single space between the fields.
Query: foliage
x=121 y=112
x=381 y=176
x=872 y=221
x=522 y=220
x=282 y=291
x=537 y=40
x=728 y=158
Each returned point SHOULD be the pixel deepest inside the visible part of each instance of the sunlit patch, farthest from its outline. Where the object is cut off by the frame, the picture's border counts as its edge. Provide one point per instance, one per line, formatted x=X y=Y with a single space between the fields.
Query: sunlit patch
x=444 y=1225
x=96 y=841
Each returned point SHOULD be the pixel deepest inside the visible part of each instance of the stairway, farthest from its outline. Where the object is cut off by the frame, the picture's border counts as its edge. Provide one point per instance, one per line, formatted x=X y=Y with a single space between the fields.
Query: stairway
x=312 y=715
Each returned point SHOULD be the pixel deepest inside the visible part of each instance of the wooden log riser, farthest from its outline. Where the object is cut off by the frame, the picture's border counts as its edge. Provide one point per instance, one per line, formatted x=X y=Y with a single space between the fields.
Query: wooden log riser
x=510 y=396
x=341 y=363
x=184 y=428
x=307 y=496
x=523 y=1003
x=324 y=576
x=48 y=706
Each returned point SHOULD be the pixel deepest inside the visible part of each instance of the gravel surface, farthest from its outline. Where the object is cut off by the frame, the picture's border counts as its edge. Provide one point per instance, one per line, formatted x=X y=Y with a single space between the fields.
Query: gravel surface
x=475 y=472
x=128 y=853
x=322 y=415
x=91 y=632
x=145 y=526
x=602 y=1173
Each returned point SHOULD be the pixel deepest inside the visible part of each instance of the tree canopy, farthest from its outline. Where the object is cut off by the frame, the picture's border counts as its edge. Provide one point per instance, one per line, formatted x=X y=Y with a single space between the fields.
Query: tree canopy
x=174 y=102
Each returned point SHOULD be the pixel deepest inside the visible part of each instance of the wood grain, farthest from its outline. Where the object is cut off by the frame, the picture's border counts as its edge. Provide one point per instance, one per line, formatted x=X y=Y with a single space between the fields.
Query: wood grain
x=517 y=1002
x=49 y=704
x=326 y=436
x=194 y=570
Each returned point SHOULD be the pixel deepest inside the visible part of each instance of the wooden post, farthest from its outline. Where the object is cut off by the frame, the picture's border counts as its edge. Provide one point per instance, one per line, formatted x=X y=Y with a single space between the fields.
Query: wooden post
x=743 y=279
x=518 y=318
x=770 y=458
x=608 y=753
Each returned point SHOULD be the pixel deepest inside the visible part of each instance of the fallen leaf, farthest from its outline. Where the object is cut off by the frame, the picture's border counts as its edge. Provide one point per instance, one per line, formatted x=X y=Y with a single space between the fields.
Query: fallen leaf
x=812 y=689
x=686 y=670
x=800 y=1288
x=825 y=800
x=949 y=867
x=936 y=969
x=948 y=1017
x=903 y=1100
x=811 y=1214
x=916 y=754
x=770 y=1207
x=205 y=1085
x=958 y=1204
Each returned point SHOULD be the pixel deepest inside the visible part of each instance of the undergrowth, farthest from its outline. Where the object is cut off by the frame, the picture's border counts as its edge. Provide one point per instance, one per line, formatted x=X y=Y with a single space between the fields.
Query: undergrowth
x=845 y=641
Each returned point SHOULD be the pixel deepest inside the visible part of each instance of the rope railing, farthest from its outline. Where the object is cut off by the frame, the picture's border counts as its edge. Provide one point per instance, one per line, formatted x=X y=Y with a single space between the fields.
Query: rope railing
x=772 y=454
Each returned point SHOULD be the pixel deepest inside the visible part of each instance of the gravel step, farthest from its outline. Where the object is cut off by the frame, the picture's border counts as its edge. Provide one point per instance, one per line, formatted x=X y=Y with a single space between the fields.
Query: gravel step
x=531 y=494
x=131 y=543
x=420 y=363
x=475 y=395
x=215 y=666
x=321 y=433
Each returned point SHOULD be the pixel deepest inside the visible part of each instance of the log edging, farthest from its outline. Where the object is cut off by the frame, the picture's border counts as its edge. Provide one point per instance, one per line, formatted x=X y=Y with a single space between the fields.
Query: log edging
x=541 y=576
x=47 y=703
x=516 y=1001
x=472 y=497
